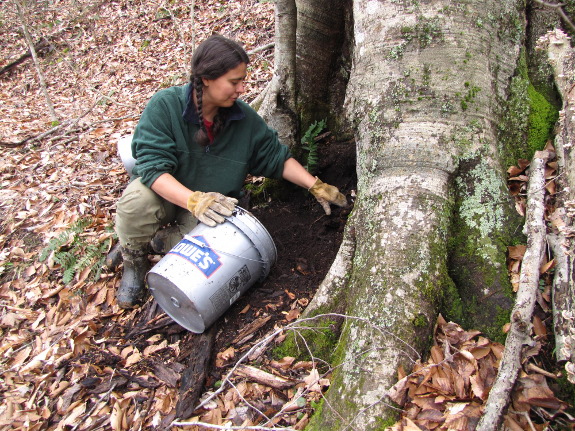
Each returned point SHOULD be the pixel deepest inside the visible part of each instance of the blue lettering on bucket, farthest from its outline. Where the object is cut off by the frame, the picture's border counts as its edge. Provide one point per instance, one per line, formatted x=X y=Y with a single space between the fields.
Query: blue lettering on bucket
x=199 y=254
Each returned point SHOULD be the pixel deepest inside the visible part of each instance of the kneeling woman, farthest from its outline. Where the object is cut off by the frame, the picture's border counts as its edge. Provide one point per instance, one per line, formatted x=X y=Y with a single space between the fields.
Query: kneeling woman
x=194 y=146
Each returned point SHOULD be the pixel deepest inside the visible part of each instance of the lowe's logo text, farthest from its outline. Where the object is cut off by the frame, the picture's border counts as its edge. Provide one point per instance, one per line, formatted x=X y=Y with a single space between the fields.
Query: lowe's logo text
x=198 y=253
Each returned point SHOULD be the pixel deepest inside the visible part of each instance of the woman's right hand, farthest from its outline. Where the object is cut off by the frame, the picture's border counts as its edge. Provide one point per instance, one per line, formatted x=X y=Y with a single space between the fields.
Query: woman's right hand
x=210 y=207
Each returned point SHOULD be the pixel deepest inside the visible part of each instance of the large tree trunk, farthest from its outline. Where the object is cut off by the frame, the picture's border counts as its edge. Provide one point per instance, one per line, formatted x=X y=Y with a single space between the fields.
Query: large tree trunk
x=424 y=100
x=277 y=104
x=310 y=66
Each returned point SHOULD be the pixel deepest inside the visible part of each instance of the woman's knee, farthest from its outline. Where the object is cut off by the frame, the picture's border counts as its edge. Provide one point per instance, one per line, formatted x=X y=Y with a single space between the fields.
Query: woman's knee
x=140 y=212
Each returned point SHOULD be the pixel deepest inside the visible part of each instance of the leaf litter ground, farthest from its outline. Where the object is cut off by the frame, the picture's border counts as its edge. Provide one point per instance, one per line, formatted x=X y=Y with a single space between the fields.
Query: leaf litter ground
x=71 y=359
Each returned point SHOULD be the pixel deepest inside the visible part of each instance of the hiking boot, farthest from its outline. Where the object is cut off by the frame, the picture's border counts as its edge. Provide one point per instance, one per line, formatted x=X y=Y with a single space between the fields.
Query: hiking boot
x=133 y=285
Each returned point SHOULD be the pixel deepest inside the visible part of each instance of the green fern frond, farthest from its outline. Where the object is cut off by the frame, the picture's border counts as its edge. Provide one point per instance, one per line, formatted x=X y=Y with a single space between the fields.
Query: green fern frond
x=310 y=144
x=69 y=236
x=68 y=275
x=74 y=254
x=97 y=268
x=65 y=259
x=55 y=244
x=91 y=253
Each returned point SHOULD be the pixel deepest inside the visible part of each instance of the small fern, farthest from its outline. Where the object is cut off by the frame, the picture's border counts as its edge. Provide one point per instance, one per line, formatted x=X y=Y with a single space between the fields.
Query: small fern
x=69 y=274
x=74 y=254
x=90 y=254
x=309 y=144
x=65 y=237
x=65 y=259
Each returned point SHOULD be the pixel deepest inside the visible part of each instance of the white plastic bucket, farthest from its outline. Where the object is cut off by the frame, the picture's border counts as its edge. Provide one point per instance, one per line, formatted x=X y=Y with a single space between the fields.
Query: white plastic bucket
x=125 y=153
x=210 y=268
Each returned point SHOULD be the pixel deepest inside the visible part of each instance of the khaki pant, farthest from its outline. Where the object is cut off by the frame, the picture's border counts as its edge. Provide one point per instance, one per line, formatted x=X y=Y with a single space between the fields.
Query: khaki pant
x=141 y=212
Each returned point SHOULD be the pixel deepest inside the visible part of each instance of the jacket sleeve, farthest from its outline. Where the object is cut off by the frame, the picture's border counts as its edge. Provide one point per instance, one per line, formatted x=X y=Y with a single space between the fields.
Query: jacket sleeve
x=269 y=154
x=154 y=146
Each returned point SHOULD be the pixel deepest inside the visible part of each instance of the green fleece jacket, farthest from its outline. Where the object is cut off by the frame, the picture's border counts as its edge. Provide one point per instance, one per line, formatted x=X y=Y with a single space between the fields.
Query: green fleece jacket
x=164 y=143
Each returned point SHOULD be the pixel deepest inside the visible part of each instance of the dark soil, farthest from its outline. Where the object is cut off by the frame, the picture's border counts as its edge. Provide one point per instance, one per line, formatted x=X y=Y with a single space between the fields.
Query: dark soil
x=307 y=241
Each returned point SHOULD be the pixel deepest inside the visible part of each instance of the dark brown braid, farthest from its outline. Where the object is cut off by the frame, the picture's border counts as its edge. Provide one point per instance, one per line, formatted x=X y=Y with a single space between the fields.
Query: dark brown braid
x=213 y=58
x=202 y=136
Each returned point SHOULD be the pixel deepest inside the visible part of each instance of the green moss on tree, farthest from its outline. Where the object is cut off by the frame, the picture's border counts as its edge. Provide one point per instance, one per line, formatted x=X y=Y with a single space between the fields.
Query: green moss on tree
x=542 y=119
x=528 y=119
x=318 y=342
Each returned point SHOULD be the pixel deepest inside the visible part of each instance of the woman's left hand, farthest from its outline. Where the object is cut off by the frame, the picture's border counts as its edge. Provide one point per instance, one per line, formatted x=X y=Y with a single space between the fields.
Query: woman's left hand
x=326 y=195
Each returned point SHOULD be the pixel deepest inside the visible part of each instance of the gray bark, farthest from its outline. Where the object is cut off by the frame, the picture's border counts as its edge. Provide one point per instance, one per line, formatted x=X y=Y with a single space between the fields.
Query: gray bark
x=561 y=57
x=277 y=104
x=320 y=59
x=423 y=100
x=309 y=86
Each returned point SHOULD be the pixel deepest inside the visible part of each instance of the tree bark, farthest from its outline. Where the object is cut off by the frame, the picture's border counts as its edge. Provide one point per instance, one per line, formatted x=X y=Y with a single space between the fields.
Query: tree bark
x=309 y=86
x=424 y=101
x=556 y=45
x=320 y=37
x=277 y=105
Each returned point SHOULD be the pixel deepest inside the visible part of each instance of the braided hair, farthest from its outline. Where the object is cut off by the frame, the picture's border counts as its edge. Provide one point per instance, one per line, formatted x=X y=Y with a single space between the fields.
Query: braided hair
x=213 y=58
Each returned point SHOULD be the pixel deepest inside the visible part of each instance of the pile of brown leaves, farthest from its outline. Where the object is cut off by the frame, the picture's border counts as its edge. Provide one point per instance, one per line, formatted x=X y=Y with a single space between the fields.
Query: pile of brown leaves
x=68 y=356
x=447 y=392
x=279 y=397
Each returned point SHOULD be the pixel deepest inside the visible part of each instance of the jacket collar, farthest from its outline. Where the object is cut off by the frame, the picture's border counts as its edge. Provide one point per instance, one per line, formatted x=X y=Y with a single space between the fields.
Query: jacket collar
x=190 y=114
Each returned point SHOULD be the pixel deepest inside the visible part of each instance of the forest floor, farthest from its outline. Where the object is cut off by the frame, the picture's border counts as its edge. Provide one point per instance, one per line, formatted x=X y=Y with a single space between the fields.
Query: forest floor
x=70 y=359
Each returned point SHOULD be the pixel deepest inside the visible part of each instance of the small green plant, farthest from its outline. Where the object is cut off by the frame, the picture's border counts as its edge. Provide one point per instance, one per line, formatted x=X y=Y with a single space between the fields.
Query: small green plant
x=309 y=144
x=162 y=13
x=74 y=254
x=468 y=98
x=145 y=44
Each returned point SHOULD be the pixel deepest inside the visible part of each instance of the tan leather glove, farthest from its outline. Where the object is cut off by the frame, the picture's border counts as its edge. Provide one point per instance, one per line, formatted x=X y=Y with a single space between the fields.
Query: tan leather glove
x=210 y=207
x=326 y=194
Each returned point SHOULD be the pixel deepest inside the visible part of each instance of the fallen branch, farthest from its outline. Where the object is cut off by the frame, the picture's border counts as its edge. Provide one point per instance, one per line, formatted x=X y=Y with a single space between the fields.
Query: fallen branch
x=36 y=137
x=563 y=311
x=41 y=47
x=561 y=57
x=520 y=331
x=264 y=377
x=261 y=48
x=63 y=124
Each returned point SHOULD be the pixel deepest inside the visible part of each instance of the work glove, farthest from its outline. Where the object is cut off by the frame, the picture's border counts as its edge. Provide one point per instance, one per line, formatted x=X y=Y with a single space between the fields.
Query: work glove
x=210 y=207
x=326 y=194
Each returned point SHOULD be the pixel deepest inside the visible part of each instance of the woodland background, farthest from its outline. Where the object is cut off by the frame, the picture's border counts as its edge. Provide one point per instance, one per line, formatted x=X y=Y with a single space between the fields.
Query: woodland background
x=64 y=363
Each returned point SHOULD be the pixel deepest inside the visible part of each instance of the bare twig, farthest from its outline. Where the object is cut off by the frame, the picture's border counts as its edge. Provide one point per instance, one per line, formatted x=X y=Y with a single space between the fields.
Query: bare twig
x=261 y=48
x=228 y=427
x=536 y=369
x=22 y=17
x=559 y=7
x=522 y=312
